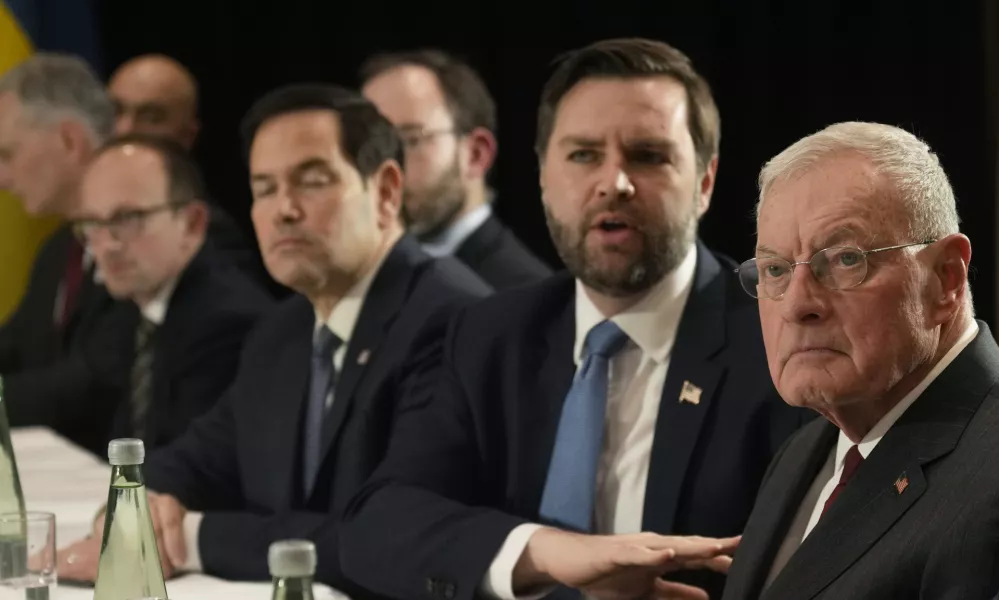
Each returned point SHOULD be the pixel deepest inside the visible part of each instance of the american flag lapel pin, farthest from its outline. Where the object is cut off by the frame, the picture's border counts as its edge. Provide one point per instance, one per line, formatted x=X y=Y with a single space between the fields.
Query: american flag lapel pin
x=901 y=483
x=362 y=358
x=690 y=393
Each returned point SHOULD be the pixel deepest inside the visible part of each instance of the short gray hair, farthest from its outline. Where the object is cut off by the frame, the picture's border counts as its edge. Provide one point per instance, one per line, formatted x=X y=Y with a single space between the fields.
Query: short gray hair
x=53 y=85
x=914 y=171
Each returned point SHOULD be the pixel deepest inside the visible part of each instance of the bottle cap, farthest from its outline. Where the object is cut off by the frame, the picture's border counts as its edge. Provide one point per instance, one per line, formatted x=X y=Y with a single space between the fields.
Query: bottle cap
x=292 y=558
x=126 y=451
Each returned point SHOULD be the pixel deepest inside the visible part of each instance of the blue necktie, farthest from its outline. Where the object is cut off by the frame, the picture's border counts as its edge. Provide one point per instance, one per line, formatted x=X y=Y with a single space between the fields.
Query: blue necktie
x=321 y=381
x=569 y=492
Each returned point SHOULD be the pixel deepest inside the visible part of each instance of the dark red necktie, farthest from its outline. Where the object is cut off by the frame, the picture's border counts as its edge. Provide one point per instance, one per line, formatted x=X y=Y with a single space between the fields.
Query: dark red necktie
x=850 y=466
x=71 y=281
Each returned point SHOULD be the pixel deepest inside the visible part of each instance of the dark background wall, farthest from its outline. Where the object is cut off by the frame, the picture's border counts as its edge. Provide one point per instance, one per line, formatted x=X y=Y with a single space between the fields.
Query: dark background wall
x=780 y=70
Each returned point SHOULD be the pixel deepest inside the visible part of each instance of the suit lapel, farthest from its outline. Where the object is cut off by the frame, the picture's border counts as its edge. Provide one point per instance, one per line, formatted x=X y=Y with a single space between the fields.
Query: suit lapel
x=284 y=416
x=777 y=505
x=385 y=298
x=168 y=356
x=481 y=243
x=540 y=402
x=872 y=503
x=688 y=392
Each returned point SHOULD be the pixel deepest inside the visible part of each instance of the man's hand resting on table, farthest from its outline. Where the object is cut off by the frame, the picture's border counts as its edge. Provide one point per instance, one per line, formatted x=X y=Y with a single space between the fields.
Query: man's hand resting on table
x=618 y=567
x=79 y=560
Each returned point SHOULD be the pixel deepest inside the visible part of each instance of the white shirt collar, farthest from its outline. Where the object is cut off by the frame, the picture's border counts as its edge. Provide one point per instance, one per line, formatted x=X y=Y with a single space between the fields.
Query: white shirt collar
x=344 y=315
x=652 y=322
x=447 y=242
x=156 y=309
x=866 y=445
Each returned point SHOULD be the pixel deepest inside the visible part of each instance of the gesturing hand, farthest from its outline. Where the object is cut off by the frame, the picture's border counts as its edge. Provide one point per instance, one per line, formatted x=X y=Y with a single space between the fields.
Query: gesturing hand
x=618 y=567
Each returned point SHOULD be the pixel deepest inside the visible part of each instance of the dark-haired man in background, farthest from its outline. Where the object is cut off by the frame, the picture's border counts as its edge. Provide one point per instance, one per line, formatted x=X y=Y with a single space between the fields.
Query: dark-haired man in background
x=630 y=395
x=142 y=217
x=447 y=120
x=306 y=420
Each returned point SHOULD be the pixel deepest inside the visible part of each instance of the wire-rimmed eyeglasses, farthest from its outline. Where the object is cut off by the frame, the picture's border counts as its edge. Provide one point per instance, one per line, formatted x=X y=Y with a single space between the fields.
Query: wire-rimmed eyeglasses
x=837 y=268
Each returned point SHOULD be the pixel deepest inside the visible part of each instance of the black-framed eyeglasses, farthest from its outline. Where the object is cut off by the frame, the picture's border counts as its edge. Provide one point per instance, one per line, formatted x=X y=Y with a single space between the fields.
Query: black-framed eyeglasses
x=413 y=137
x=124 y=225
x=837 y=268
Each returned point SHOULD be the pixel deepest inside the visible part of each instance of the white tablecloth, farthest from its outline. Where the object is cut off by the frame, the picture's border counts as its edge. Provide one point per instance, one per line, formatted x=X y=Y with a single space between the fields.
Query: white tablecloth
x=58 y=477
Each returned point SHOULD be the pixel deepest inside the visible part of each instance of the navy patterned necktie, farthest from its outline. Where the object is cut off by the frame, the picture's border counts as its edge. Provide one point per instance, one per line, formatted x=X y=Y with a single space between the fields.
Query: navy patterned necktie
x=322 y=379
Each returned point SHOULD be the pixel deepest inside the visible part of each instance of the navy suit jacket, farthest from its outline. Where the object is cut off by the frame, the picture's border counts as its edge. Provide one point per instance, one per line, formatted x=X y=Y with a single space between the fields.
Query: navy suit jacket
x=499 y=258
x=240 y=464
x=919 y=518
x=468 y=459
x=214 y=306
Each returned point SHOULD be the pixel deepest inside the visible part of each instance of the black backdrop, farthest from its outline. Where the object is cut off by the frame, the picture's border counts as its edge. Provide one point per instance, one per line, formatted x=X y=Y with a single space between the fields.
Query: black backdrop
x=780 y=70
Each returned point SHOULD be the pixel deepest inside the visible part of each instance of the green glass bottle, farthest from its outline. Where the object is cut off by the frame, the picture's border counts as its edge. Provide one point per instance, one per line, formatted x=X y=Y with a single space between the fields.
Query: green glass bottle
x=292 y=564
x=129 y=565
x=13 y=543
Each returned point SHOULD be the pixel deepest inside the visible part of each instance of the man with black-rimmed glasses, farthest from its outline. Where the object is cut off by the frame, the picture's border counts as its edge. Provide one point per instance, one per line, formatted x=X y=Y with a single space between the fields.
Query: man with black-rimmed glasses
x=188 y=309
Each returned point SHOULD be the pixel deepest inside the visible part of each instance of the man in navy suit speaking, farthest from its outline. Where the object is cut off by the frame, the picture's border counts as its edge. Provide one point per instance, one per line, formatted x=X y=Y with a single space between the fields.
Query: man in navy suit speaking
x=629 y=395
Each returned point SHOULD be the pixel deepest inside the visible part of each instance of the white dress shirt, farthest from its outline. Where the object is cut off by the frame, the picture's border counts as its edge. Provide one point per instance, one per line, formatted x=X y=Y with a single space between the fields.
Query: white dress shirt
x=156 y=309
x=635 y=385
x=825 y=482
x=448 y=241
x=341 y=322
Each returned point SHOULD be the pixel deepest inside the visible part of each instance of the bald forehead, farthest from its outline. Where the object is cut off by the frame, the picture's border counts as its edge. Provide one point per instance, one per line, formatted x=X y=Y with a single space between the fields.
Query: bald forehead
x=154 y=77
x=128 y=167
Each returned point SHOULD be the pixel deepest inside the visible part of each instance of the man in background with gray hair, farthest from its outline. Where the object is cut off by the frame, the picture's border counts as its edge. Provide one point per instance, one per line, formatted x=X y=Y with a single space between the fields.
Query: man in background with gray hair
x=58 y=351
x=861 y=275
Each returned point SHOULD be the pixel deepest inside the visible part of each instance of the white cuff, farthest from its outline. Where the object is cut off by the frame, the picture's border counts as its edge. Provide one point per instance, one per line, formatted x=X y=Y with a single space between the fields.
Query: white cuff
x=192 y=525
x=498 y=582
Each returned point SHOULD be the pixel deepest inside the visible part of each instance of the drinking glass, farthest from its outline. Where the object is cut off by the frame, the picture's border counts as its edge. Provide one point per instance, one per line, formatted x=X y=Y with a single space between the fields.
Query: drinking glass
x=27 y=555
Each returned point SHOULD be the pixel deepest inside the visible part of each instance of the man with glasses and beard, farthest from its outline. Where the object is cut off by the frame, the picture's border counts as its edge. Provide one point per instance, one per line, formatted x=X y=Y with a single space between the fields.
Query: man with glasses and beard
x=447 y=121
x=629 y=395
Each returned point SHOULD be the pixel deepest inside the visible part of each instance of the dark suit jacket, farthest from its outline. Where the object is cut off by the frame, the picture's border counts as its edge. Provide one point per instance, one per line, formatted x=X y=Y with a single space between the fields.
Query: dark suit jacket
x=241 y=463
x=196 y=348
x=66 y=379
x=936 y=539
x=499 y=258
x=441 y=505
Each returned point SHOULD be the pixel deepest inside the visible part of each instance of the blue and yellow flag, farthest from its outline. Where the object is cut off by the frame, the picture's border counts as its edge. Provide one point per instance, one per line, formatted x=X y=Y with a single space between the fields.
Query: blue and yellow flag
x=26 y=25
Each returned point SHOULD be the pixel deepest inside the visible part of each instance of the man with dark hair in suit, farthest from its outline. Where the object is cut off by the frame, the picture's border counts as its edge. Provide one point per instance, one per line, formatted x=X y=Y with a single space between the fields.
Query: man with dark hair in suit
x=862 y=278
x=142 y=217
x=573 y=415
x=307 y=418
x=447 y=120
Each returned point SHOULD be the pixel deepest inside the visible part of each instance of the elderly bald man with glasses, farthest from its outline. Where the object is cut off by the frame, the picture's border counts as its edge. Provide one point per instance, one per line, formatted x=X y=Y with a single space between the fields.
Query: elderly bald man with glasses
x=895 y=493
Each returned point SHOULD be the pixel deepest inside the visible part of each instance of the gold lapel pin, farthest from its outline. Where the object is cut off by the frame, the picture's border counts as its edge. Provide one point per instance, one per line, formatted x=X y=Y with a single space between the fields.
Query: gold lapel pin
x=690 y=393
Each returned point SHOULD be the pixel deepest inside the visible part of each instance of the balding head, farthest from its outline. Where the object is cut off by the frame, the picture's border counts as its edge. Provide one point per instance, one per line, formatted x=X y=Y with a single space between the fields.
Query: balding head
x=156 y=95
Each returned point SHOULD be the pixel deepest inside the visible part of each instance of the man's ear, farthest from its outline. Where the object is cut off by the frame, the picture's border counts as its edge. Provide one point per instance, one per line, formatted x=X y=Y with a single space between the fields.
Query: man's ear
x=949 y=282
x=388 y=181
x=706 y=186
x=198 y=216
x=75 y=140
x=481 y=152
